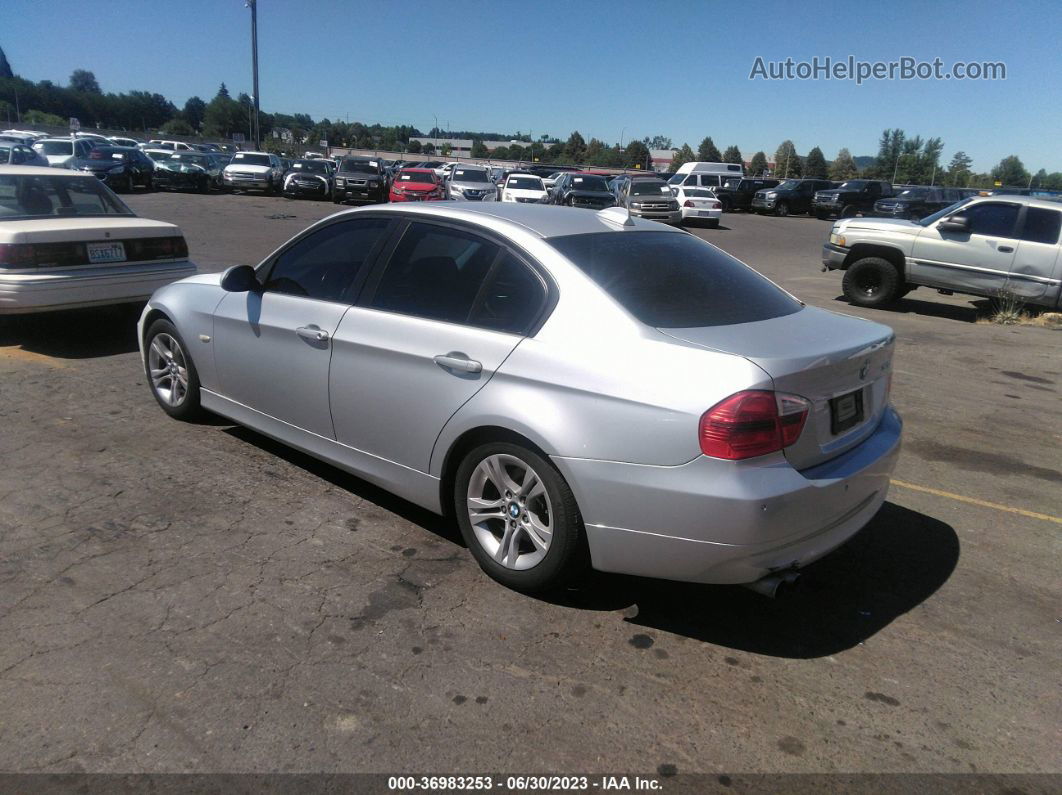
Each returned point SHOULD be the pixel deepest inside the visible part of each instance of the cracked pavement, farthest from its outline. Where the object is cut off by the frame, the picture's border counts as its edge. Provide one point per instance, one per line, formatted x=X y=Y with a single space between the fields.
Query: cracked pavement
x=199 y=598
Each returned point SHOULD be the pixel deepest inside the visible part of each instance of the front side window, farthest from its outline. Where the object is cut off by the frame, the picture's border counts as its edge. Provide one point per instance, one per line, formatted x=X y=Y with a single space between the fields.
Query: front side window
x=326 y=264
x=1041 y=226
x=435 y=273
x=994 y=219
x=671 y=280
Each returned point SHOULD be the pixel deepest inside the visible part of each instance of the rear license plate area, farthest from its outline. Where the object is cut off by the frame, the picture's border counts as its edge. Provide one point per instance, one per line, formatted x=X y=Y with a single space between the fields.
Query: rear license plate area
x=101 y=253
x=846 y=411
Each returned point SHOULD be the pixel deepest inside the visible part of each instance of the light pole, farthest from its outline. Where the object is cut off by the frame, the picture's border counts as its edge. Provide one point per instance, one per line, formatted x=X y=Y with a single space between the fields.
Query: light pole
x=253 y=5
x=436 y=117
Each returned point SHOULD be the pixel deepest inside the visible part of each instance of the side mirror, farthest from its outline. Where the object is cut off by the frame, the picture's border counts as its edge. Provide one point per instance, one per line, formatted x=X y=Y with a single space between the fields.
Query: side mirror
x=954 y=223
x=240 y=279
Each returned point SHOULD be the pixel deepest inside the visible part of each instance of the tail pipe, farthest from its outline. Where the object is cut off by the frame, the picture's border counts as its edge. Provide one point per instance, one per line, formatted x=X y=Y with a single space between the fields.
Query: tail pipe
x=771 y=585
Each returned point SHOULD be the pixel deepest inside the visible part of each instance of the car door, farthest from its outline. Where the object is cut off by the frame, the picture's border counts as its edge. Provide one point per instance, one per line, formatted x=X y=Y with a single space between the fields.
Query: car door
x=446 y=310
x=1037 y=268
x=976 y=261
x=273 y=346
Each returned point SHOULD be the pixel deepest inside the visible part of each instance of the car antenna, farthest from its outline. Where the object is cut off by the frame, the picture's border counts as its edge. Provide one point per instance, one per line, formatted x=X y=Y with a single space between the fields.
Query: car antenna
x=618 y=216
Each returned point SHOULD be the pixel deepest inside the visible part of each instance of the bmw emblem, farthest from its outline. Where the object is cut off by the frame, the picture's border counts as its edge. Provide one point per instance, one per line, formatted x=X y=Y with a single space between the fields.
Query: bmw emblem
x=514 y=510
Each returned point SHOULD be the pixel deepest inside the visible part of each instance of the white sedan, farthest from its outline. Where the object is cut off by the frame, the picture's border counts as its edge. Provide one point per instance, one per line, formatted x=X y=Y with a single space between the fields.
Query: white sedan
x=698 y=204
x=67 y=241
x=526 y=188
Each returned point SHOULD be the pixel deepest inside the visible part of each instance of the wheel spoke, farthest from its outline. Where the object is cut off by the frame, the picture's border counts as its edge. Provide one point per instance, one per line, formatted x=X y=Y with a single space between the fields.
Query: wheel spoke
x=539 y=534
x=158 y=375
x=502 y=552
x=160 y=349
x=498 y=476
x=480 y=510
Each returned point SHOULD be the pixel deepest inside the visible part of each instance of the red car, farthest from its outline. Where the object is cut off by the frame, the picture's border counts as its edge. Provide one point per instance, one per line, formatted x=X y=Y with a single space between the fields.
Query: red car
x=416 y=185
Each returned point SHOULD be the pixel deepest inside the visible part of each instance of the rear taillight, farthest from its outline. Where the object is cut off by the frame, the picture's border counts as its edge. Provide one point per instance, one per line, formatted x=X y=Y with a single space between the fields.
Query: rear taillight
x=688 y=203
x=715 y=205
x=156 y=248
x=17 y=255
x=752 y=423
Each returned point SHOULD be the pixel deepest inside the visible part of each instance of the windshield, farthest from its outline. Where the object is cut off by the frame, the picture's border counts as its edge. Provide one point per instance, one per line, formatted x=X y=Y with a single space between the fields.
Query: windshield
x=670 y=280
x=311 y=166
x=649 y=187
x=853 y=184
x=55 y=147
x=416 y=176
x=676 y=179
x=929 y=219
x=913 y=193
x=788 y=184
x=250 y=159
x=199 y=160
x=470 y=175
x=360 y=166
x=48 y=197
x=589 y=183
x=524 y=183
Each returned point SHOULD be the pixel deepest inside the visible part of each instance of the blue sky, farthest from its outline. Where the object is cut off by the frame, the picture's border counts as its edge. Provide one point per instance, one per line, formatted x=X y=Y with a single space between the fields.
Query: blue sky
x=679 y=69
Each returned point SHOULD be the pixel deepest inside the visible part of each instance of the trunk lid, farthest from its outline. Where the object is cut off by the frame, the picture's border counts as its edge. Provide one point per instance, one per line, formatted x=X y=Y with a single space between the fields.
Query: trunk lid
x=820 y=356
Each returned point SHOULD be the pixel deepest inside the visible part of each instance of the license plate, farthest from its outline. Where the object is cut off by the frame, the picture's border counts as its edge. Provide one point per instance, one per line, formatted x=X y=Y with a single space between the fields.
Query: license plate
x=846 y=411
x=703 y=212
x=99 y=253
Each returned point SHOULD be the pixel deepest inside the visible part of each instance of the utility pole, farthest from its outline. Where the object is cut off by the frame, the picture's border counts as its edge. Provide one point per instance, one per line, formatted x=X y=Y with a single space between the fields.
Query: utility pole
x=253 y=5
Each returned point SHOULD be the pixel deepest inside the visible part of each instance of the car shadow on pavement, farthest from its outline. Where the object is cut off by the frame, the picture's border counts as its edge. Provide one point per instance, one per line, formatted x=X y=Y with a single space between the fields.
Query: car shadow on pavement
x=444 y=528
x=966 y=313
x=74 y=333
x=893 y=565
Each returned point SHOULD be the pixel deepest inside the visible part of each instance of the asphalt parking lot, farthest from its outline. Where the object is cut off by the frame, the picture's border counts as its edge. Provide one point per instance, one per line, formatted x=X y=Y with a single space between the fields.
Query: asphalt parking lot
x=197 y=598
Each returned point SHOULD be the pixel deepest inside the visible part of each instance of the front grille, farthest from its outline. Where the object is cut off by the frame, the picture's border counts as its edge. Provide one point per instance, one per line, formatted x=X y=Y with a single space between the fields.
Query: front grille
x=527 y=201
x=245 y=175
x=655 y=206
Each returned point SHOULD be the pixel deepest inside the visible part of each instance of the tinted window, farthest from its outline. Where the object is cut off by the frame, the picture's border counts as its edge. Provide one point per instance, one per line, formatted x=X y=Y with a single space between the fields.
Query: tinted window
x=1041 y=226
x=435 y=273
x=31 y=196
x=512 y=298
x=325 y=264
x=672 y=280
x=989 y=218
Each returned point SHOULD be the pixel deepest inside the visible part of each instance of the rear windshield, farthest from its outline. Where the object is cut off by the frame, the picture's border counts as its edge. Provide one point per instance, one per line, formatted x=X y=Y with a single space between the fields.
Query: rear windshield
x=416 y=176
x=55 y=147
x=23 y=196
x=671 y=280
x=250 y=160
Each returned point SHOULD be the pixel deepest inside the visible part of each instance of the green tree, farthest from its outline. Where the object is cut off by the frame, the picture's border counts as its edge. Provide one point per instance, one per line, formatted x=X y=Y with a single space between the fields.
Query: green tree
x=414 y=147
x=177 y=127
x=594 y=151
x=786 y=160
x=657 y=142
x=890 y=148
x=428 y=148
x=815 y=164
x=637 y=155
x=84 y=81
x=33 y=116
x=732 y=155
x=479 y=149
x=5 y=67
x=758 y=166
x=223 y=91
x=958 y=175
x=575 y=149
x=1053 y=181
x=843 y=167
x=224 y=116
x=707 y=152
x=1040 y=179
x=501 y=153
x=683 y=155
x=193 y=112
x=1011 y=171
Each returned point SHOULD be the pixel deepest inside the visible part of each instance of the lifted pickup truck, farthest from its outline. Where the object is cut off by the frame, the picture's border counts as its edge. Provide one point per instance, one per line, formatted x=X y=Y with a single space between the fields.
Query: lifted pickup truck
x=985 y=246
x=850 y=198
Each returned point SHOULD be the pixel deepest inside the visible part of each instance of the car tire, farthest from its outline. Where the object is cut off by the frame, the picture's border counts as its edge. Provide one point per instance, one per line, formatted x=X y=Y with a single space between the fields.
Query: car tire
x=724 y=205
x=781 y=209
x=149 y=184
x=165 y=356
x=871 y=282
x=337 y=200
x=510 y=549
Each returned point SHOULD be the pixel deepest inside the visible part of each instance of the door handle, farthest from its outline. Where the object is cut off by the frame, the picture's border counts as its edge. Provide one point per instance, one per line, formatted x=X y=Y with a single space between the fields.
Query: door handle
x=312 y=333
x=459 y=362
x=1005 y=249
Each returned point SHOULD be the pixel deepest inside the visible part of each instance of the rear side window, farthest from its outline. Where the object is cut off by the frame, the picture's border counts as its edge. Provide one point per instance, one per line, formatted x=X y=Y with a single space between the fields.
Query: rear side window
x=511 y=299
x=436 y=273
x=671 y=280
x=325 y=264
x=1041 y=226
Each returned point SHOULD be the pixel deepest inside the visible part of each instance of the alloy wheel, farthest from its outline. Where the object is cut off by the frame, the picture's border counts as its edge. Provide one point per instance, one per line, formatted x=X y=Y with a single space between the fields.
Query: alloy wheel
x=510 y=511
x=168 y=369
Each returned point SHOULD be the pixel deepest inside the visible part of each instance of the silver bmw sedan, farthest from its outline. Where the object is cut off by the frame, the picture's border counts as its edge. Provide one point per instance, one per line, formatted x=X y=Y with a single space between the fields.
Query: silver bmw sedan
x=577 y=388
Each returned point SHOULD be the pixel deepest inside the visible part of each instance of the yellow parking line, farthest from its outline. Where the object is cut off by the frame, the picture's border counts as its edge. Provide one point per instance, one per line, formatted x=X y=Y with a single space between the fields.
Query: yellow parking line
x=974 y=501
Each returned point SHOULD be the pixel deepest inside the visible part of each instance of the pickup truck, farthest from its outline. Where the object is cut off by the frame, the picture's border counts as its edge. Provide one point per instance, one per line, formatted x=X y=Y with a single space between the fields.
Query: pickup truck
x=850 y=198
x=986 y=246
x=736 y=194
x=789 y=196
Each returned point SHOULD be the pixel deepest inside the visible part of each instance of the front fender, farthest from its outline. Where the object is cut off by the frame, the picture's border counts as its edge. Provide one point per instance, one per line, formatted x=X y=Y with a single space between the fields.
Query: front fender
x=189 y=304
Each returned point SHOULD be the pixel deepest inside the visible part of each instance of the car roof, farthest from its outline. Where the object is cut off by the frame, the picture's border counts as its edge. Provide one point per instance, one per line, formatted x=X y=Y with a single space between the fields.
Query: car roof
x=43 y=171
x=545 y=221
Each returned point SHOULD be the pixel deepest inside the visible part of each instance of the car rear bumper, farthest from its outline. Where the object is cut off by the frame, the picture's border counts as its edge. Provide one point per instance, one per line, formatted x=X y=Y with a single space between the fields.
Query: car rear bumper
x=833 y=256
x=693 y=214
x=713 y=521
x=664 y=216
x=68 y=289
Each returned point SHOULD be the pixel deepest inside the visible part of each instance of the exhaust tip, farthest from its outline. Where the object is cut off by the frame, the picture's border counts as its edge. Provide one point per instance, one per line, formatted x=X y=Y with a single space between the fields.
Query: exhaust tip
x=774 y=584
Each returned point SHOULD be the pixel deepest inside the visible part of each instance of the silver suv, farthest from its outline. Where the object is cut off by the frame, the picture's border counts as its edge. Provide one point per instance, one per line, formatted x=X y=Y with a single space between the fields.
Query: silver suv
x=649 y=198
x=985 y=245
x=471 y=183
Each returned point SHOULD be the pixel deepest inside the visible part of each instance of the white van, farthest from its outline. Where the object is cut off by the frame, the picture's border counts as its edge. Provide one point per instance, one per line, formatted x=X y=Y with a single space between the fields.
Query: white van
x=706 y=175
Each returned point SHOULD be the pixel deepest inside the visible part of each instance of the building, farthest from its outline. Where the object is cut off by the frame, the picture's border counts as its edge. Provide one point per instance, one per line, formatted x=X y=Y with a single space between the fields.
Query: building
x=459 y=147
